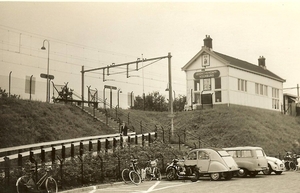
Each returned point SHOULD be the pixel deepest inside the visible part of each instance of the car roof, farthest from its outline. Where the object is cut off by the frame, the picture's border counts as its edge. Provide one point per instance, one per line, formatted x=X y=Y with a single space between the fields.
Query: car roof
x=208 y=149
x=241 y=148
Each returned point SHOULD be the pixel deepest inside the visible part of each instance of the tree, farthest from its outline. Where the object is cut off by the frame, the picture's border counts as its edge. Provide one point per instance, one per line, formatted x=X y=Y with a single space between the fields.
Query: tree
x=156 y=102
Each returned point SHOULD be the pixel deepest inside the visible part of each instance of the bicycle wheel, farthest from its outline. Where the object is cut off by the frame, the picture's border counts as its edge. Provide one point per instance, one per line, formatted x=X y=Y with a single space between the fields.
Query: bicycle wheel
x=51 y=185
x=21 y=185
x=125 y=176
x=292 y=166
x=148 y=175
x=135 y=177
x=158 y=174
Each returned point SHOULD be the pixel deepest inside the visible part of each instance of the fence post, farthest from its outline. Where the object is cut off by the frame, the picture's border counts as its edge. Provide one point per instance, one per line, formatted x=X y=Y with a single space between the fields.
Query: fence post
x=114 y=144
x=7 y=169
x=42 y=155
x=61 y=171
x=119 y=167
x=101 y=168
x=53 y=155
x=143 y=140
x=81 y=149
x=20 y=159
x=80 y=158
x=72 y=150
x=106 y=145
x=149 y=138
x=63 y=151
x=98 y=145
x=90 y=145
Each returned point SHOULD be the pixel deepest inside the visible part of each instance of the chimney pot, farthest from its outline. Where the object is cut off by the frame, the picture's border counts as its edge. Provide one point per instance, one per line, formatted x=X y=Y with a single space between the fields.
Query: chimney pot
x=262 y=62
x=208 y=42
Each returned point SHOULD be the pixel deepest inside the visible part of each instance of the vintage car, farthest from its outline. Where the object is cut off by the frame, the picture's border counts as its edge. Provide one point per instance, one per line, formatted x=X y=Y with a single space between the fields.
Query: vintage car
x=274 y=165
x=250 y=160
x=213 y=162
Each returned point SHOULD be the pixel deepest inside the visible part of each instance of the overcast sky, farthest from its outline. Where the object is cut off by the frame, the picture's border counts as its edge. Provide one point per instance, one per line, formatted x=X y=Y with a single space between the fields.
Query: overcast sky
x=102 y=33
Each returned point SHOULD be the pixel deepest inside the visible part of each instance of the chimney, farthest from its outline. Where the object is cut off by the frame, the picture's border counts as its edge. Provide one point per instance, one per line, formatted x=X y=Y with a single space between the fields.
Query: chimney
x=262 y=62
x=208 y=42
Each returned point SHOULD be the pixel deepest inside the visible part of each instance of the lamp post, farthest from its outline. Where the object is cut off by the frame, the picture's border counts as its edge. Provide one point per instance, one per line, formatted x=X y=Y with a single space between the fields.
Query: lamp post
x=48 y=86
x=119 y=91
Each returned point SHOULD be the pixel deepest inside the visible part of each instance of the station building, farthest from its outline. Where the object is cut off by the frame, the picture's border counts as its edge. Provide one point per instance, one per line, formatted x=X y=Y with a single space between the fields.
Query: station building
x=214 y=78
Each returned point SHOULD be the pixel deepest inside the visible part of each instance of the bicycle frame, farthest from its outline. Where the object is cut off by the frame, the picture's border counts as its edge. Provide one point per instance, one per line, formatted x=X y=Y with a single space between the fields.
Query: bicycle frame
x=42 y=180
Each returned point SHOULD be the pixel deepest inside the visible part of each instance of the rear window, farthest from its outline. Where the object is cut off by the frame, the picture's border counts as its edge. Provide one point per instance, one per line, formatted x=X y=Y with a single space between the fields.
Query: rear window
x=223 y=153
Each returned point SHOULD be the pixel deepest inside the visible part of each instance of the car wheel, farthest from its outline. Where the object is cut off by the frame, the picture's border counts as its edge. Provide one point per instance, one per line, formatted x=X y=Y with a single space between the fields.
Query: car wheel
x=215 y=176
x=268 y=171
x=278 y=172
x=242 y=172
x=227 y=175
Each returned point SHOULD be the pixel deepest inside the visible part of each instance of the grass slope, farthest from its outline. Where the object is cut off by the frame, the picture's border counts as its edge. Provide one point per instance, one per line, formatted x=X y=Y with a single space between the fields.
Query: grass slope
x=25 y=122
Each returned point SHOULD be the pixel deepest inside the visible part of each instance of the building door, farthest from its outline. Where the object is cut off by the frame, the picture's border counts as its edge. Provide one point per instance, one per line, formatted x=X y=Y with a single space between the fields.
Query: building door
x=206 y=99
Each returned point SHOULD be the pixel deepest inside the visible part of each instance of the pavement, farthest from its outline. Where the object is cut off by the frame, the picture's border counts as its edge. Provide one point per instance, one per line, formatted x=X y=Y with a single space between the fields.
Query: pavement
x=90 y=188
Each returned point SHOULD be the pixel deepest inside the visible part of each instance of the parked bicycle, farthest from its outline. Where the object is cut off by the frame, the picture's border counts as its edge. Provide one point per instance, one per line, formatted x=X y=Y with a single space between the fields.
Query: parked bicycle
x=46 y=183
x=152 y=171
x=132 y=174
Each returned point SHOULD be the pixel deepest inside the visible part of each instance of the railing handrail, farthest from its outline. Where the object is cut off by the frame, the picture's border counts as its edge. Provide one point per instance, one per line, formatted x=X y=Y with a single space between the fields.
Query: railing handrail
x=53 y=143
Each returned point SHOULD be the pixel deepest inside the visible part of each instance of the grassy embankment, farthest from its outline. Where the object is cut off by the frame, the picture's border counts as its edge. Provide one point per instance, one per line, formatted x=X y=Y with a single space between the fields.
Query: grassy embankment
x=25 y=122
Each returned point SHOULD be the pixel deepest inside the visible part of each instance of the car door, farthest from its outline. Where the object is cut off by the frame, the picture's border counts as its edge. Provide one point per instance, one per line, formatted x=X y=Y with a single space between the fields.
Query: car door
x=191 y=159
x=203 y=161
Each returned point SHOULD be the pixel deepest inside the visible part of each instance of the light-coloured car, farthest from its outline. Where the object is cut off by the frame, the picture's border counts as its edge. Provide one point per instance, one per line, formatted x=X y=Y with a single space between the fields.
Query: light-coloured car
x=250 y=160
x=215 y=162
x=274 y=165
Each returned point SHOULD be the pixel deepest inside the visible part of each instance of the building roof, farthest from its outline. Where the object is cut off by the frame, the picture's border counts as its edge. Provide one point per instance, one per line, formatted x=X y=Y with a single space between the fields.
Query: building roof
x=236 y=63
x=248 y=66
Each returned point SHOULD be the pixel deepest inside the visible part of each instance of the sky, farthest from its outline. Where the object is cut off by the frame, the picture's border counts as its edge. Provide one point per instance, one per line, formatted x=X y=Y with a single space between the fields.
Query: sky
x=97 y=34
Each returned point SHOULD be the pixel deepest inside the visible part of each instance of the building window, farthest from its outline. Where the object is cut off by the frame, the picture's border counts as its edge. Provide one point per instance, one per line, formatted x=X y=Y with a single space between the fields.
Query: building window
x=265 y=90
x=261 y=89
x=256 y=88
x=206 y=84
x=242 y=85
x=218 y=95
x=218 y=83
x=275 y=98
x=197 y=85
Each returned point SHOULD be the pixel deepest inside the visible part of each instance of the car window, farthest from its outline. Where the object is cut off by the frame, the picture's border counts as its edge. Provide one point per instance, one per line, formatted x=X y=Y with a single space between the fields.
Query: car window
x=245 y=153
x=192 y=156
x=260 y=153
x=232 y=153
x=203 y=155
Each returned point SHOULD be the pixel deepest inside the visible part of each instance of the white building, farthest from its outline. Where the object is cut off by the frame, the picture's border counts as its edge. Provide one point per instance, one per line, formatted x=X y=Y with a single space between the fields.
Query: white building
x=215 y=78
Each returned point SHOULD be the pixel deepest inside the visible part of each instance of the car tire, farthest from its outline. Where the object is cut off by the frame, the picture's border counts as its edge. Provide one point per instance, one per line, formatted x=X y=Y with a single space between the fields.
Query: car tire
x=227 y=175
x=268 y=171
x=242 y=172
x=278 y=172
x=215 y=176
x=253 y=174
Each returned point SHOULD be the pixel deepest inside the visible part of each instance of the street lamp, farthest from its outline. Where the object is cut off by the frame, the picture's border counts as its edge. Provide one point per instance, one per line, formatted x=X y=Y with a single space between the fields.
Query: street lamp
x=119 y=91
x=48 y=86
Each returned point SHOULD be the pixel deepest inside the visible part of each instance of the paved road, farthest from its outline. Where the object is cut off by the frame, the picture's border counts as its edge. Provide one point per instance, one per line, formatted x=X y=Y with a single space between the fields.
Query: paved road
x=288 y=182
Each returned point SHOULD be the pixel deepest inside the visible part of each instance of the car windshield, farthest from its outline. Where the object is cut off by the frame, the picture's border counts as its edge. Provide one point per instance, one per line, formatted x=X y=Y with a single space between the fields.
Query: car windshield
x=223 y=153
